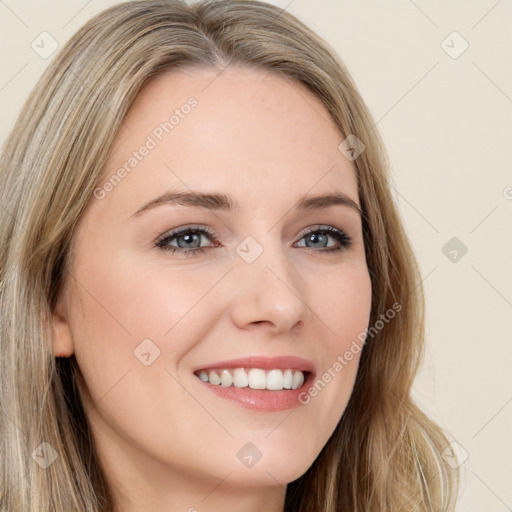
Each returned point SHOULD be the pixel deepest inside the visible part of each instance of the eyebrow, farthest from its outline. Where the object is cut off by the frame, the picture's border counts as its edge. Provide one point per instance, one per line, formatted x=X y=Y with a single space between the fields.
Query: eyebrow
x=216 y=201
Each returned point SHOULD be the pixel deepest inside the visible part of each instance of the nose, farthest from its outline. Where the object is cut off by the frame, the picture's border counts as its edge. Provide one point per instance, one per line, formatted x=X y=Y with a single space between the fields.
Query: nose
x=270 y=293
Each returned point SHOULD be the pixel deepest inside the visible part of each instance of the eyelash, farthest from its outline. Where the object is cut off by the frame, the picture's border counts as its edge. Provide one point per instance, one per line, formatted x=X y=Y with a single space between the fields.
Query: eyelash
x=344 y=239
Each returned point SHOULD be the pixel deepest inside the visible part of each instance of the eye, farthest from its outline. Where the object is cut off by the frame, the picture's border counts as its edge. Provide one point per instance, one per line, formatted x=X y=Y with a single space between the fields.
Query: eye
x=188 y=240
x=319 y=237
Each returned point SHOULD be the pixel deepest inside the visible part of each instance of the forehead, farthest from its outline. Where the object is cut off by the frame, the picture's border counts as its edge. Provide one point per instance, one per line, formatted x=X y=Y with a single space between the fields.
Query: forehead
x=250 y=133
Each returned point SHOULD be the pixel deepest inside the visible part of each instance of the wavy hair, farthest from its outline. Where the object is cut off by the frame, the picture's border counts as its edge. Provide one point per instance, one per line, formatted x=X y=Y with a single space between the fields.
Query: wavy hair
x=385 y=453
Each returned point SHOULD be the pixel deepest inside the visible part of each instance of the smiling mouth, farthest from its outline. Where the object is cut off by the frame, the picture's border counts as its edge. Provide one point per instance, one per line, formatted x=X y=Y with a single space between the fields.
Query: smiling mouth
x=254 y=378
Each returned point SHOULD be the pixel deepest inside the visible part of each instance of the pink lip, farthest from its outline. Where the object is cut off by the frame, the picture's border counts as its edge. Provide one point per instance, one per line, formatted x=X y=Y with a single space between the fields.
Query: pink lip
x=266 y=363
x=263 y=400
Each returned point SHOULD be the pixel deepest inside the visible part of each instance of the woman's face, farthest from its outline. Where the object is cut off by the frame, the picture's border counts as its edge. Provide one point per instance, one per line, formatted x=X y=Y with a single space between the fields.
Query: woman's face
x=144 y=317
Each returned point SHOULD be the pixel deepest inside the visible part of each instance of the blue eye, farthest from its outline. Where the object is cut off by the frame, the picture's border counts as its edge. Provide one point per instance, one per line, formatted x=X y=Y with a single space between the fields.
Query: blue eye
x=185 y=236
x=188 y=240
x=321 y=235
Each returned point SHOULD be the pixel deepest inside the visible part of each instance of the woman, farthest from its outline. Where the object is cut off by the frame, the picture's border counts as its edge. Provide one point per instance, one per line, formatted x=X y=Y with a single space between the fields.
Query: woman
x=207 y=296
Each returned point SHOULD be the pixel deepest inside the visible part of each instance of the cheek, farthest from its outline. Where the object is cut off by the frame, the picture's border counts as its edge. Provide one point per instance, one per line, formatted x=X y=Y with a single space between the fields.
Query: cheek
x=132 y=325
x=350 y=294
x=344 y=305
x=127 y=305
x=128 y=329
x=344 y=308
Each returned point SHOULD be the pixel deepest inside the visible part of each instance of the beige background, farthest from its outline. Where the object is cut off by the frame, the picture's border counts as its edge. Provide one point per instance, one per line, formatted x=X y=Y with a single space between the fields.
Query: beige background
x=447 y=124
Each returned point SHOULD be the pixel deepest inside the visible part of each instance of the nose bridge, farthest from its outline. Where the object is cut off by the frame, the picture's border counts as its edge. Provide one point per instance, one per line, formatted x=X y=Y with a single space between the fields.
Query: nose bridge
x=269 y=288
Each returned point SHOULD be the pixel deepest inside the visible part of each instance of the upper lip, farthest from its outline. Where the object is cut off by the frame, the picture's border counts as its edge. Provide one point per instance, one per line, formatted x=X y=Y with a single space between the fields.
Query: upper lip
x=264 y=362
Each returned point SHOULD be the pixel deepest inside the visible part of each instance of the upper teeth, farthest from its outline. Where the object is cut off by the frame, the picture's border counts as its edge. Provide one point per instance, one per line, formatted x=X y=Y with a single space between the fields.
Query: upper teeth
x=255 y=378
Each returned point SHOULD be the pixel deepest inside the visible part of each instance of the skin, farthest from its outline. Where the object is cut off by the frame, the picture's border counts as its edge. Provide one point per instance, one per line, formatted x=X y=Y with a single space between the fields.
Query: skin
x=167 y=442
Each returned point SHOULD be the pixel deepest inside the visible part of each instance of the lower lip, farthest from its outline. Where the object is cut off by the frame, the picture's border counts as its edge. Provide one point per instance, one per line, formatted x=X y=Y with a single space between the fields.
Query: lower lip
x=261 y=399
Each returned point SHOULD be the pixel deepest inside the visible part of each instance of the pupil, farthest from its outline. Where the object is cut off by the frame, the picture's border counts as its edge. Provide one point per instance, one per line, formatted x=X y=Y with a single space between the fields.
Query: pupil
x=189 y=238
x=314 y=238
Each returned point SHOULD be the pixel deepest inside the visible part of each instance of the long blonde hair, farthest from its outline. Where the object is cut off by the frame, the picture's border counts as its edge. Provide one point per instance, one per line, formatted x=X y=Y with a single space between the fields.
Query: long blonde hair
x=385 y=454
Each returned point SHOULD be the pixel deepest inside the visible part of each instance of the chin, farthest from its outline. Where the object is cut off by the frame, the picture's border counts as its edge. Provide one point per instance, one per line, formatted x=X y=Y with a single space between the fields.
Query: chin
x=278 y=468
